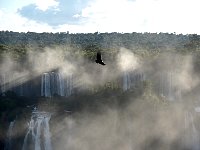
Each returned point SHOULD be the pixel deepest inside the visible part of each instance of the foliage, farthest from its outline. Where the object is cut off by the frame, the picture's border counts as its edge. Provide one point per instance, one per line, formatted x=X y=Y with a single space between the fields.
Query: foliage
x=144 y=44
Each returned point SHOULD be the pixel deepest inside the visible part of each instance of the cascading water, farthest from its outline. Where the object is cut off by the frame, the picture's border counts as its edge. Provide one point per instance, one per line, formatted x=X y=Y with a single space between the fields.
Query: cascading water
x=60 y=84
x=38 y=136
x=54 y=83
x=191 y=133
x=45 y=85
x=8 y=145
x=69 y=85
x=50 y=84
x=168 y=86
x=126 y=81
x=132 y=79
x=47 y=135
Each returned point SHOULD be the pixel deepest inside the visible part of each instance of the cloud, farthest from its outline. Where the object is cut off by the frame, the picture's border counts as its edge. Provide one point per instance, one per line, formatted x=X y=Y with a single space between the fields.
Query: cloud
x=76 y=16
x=46 y=4
x=15 y=22
x=54 y=13
x=144 y=15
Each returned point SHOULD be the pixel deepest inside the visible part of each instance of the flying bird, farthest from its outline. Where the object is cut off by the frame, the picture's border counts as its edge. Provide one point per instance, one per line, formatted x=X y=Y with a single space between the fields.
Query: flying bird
x=98 y=60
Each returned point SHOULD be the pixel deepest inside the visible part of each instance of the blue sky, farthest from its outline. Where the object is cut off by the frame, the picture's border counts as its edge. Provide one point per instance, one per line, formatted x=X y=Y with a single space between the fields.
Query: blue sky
x=180 y=16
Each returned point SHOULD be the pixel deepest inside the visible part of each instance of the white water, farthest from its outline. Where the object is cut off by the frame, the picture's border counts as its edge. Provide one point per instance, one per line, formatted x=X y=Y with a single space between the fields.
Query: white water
x=191 y=133
x=55 y=84
x=126 y=81
x=9 y=136
x=60 y=84
x=45 y=85
x=38 y=136
x=47 y=135
x=131 y=80
x=167 y=86
x=69 y=85
x=52 y=83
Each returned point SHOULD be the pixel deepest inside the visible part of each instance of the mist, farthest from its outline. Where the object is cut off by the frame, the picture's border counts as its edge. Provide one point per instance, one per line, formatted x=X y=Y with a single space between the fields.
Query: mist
x=150 y=121
x=62 y=59
x=161 y=116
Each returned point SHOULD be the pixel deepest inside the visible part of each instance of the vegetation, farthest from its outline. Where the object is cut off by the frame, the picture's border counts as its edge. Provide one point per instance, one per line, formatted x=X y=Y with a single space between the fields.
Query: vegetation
x=142 y=43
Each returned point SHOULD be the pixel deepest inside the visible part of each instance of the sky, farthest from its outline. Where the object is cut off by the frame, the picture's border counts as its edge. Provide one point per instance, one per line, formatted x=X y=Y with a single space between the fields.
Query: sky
x=89 y=16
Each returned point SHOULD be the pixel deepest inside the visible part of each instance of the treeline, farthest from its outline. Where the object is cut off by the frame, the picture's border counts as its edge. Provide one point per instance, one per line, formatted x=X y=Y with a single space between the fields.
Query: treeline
x=18 y=43
x=105 y=40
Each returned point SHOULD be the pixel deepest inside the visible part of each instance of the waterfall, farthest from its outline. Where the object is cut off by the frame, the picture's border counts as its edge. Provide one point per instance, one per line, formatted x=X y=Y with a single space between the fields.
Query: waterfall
x=126 y=81
x=38 y=136
x=62 y=88
x=132 y=79
x=191 y=134
x=168 y=85
x=30 y=131
x=60 y=84
x=9 y=135
x=54 y=83
x=51 y=84
x=69 y=85
x=47 y=135
x=45 y=85
x=38 y=133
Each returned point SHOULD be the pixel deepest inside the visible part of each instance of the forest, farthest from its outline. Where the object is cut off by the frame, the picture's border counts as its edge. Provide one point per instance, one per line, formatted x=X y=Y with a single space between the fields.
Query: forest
x=19 y=42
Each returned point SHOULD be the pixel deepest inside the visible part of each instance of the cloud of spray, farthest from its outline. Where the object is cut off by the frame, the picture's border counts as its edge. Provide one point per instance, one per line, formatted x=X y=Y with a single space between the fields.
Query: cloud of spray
x=50 y=59
x=138 y=126
x=62 y=60
x=126 y=60
x=88 y=73
x=187 y=79
x=135 y=127
x=176 y=71
x=12 y=74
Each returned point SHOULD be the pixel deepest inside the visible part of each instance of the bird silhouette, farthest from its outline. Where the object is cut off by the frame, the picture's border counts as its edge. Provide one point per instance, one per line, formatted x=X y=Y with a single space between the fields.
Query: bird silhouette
x=98 y=59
